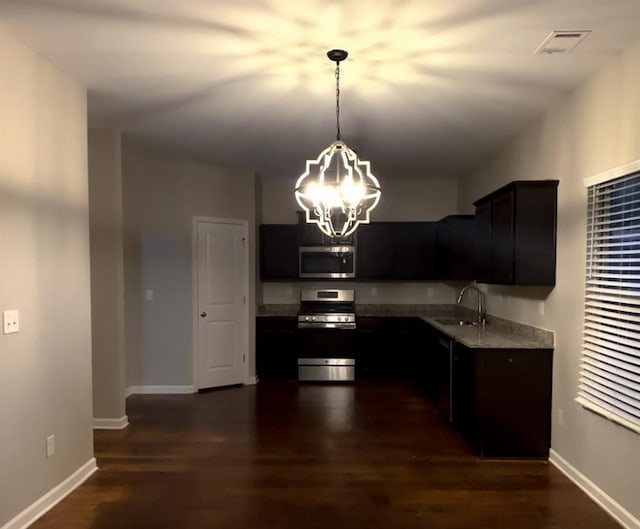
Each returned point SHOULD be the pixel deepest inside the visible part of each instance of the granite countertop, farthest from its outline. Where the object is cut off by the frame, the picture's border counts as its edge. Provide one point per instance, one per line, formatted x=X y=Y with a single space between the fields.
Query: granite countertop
x=397 y=310
x=278 y=309
x=499 y=333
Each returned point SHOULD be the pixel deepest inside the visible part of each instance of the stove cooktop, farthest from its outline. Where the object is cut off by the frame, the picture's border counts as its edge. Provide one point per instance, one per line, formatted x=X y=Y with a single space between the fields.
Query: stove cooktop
x=327 y=308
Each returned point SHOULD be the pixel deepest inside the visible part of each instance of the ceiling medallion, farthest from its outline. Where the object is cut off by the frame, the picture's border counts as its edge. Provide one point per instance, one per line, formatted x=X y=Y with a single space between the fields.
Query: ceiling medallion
x=337 y=191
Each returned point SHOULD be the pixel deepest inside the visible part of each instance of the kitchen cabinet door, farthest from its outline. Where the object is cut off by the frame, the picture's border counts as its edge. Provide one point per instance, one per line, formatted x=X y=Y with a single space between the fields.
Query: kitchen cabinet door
x=516 y=234
x=310 y=234
x=513 y=402
x=278 y=252
x=406 y=338
x=396 y=251
x=390 y=348
x=374 y=253
x=414 y=250
x=463 y=391
x=501 y=400
x=371 y=347
x=436 y=374
x=276 y=347
x=483 y=247
x=502 y=244
x=455 y=248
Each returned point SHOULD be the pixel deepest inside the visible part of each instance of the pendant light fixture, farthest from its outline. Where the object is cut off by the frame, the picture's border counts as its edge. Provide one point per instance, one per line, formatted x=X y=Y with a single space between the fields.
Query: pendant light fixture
x=337 y=191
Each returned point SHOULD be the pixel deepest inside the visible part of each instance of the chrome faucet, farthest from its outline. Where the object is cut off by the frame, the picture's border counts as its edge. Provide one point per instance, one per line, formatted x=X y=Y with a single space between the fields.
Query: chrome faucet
x=480 y=312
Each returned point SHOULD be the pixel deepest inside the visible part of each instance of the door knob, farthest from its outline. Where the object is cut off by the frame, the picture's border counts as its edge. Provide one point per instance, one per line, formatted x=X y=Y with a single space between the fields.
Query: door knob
x=203 y=314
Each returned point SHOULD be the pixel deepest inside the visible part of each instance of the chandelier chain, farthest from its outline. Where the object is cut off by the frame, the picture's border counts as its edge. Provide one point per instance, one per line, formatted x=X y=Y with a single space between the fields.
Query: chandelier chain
x=338 y=136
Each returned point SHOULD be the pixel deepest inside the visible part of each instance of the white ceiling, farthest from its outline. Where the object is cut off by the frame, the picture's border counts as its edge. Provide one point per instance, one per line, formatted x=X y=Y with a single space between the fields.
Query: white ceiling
x=430 y=86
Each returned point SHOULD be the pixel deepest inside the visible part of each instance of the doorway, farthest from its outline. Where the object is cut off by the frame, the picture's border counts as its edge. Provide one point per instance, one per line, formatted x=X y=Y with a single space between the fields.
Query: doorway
x=221 y=316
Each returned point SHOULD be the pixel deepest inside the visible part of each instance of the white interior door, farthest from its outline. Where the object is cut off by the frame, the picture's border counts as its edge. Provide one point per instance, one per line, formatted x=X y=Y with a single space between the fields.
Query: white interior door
x=222 y=316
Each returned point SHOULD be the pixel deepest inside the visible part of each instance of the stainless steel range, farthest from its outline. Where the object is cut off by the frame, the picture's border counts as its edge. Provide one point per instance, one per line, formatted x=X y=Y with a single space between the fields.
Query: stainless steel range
x=327 y=319
x=327 y=309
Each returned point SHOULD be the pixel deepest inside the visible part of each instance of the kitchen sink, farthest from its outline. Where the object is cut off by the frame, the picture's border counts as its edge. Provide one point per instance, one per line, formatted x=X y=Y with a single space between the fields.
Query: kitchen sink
x=455 y=321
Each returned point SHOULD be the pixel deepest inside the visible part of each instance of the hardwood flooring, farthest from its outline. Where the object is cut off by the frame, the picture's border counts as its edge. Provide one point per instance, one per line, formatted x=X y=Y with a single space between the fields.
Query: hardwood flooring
x=283 y=455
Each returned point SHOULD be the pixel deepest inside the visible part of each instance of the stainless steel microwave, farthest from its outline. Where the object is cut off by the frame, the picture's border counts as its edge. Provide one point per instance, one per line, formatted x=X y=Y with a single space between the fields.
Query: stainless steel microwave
x=327 y=262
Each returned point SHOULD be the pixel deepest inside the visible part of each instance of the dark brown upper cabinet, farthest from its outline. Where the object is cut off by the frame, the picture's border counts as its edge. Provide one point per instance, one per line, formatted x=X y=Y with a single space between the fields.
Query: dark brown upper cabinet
x=515 y=234
x=396 y=251
x=455 y=248
x=311 y=235
x=374 y=257
x=279 y=252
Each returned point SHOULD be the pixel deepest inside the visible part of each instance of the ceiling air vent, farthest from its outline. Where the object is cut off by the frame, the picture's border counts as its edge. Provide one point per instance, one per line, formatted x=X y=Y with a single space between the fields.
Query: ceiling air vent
x=561 y=42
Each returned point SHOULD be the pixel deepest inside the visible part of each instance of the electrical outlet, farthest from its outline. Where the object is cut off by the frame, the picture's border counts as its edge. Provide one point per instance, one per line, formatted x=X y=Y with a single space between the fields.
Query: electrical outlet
x=374 y=291
x=10 y=321
x=51 y=445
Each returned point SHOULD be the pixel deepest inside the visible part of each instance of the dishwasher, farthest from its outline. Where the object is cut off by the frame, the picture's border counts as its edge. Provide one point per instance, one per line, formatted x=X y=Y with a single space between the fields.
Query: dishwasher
x=444 y=376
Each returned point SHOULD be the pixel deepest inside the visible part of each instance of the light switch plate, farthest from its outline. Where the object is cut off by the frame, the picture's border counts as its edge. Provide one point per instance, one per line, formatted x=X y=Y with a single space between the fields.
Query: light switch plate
x=51 y=445
x=10 y=321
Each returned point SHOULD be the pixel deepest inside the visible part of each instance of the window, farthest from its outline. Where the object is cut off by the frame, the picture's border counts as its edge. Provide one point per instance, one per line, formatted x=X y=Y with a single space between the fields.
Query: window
x=610 y=368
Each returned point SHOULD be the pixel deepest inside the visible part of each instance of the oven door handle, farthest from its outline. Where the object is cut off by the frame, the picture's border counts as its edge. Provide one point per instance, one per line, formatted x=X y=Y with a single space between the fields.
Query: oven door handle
x=340 y=326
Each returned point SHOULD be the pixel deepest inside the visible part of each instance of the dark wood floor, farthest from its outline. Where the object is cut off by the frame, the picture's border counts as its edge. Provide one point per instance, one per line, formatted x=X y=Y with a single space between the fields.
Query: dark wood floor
x=283 y=455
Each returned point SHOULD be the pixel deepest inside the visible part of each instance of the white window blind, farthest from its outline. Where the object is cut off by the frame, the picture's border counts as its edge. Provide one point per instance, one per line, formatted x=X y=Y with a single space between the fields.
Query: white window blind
x=610 y=368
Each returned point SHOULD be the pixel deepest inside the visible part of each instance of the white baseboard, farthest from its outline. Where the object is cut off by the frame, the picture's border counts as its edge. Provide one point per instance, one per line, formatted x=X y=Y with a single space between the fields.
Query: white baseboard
x=160 y=390
x=52 y=498
x=617 y=511
x=111 y=424
x=251 y=381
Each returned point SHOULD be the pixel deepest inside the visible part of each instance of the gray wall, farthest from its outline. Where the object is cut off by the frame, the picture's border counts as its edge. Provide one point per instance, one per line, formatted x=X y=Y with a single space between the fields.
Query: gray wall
x=596 y=129
x=107 y=283
x=402 y=200
x=45 y=370
x=161 y=196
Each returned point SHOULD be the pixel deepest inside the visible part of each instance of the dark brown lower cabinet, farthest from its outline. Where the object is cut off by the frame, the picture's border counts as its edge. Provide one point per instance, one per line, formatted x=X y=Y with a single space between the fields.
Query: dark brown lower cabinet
x=501 y=400
x=371 y=344
x=388 y=348
x=277 y=347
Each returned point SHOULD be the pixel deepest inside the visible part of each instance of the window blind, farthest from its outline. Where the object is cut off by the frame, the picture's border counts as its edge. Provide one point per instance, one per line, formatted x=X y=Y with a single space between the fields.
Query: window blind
x=610 y=369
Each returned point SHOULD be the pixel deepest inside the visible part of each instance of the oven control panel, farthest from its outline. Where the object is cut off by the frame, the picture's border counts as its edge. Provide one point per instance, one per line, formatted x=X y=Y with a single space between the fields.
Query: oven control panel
x=328 y=321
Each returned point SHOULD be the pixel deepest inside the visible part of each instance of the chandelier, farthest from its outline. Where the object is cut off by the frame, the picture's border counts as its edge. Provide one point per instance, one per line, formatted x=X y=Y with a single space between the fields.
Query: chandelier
x=337 y=191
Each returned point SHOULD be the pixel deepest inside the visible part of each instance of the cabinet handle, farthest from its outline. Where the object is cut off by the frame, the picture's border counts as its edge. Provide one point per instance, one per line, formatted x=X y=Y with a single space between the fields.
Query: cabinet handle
x=203 y=314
